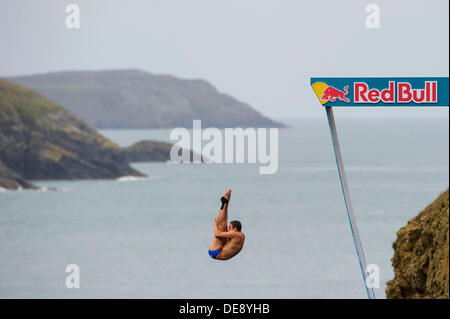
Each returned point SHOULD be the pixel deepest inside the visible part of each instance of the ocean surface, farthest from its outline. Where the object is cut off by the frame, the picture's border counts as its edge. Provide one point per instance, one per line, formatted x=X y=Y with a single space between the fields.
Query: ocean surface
x=148 y=238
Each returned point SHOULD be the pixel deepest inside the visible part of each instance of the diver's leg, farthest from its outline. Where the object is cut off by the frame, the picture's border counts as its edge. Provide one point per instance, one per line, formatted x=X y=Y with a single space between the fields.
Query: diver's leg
x=222 y=222
x=222 y=217
x=216 y=243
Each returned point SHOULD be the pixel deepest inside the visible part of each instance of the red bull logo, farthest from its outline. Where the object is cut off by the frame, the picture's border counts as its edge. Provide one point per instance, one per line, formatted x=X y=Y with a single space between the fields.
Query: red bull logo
x=327 y=93
x=331 y=94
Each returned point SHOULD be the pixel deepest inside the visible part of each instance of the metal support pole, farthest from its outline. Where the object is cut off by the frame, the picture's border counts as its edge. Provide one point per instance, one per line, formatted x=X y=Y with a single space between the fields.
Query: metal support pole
x=348 y=203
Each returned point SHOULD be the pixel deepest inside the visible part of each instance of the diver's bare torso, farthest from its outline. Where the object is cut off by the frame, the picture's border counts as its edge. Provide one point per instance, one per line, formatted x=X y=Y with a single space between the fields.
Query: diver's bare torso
x=231 y=248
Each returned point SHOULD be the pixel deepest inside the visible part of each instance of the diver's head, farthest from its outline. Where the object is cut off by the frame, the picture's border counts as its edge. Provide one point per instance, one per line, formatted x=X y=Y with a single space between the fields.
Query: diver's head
x=235 y=225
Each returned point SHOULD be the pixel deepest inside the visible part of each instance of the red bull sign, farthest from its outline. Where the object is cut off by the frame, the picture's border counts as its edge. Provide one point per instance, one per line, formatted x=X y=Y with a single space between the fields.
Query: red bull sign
x=382 y=91
x=373 y=92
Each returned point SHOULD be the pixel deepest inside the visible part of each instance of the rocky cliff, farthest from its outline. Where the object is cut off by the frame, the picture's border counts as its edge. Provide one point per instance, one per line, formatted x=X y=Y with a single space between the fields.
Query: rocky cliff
x=421 y=254
x=138 y=99
x=11 y=180
x=41 y=140
x=147 y=151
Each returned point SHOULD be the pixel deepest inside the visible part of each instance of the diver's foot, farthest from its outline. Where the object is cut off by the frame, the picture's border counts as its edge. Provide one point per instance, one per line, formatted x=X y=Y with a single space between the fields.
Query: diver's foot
x=224 y=202
x=225 y=199
x=228 y=194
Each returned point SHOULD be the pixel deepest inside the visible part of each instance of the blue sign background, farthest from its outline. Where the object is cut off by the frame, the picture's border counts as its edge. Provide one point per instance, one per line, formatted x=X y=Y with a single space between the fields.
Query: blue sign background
x=383 y=83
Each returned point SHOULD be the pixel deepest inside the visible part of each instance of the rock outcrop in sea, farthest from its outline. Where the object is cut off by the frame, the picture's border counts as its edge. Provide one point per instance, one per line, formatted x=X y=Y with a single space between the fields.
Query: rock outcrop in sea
x=11 y=180
x=421 y=255
x=150 y=151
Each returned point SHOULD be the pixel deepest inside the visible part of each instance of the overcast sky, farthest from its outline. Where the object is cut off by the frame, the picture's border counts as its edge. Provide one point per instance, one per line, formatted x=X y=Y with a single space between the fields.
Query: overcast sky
x=261 y=52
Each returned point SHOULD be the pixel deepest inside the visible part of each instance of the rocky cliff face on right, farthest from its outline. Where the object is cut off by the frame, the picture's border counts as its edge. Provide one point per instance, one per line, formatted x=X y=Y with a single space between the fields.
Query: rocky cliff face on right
x=421 y=254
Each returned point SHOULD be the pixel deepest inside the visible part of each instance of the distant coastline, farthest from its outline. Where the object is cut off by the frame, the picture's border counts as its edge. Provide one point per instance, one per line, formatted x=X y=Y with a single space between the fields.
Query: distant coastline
x=134 y=98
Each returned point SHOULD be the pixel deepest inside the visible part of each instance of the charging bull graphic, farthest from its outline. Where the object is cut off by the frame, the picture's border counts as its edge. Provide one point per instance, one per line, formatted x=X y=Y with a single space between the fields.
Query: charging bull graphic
x=331 y=94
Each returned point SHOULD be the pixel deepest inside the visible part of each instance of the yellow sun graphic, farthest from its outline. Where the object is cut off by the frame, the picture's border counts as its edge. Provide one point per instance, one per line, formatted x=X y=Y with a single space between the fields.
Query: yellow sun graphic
x=318 y=88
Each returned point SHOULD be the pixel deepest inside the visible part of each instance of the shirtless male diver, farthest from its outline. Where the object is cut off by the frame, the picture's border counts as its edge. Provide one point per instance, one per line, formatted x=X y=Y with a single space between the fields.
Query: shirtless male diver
x=227 y=242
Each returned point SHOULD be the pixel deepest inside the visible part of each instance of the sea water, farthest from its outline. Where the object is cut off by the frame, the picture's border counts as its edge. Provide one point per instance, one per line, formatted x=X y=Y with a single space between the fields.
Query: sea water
x=149 y=237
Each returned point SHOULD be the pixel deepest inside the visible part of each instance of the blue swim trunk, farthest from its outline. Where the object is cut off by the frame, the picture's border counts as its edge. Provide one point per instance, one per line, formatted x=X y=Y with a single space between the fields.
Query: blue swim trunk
x=214 y=253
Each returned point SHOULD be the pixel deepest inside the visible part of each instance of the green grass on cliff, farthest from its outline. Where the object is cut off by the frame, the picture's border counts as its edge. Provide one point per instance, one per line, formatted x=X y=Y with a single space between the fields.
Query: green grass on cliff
x=17 y=99
x=29 y=104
